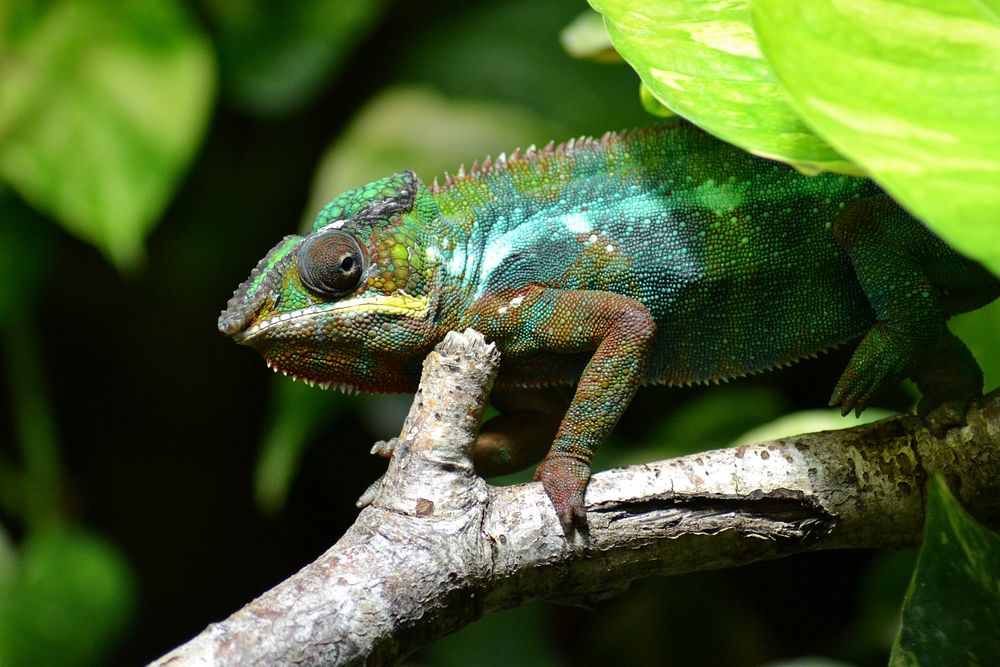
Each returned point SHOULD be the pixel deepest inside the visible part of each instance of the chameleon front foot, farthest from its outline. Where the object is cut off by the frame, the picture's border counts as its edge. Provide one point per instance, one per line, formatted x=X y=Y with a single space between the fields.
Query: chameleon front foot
x=565 y=481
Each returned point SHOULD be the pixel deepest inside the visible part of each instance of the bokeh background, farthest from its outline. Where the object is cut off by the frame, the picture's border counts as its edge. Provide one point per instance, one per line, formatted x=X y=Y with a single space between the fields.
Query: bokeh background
x=154 y=477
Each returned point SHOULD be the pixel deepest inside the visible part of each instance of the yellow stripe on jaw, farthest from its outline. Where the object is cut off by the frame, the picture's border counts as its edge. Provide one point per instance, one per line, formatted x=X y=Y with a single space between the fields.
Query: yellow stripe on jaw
x=396 y=303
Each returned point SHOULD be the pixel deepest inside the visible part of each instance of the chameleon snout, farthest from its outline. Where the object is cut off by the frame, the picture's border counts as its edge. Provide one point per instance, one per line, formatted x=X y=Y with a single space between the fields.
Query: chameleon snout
x=240 y=311
x=232 y=321
x=257 y=291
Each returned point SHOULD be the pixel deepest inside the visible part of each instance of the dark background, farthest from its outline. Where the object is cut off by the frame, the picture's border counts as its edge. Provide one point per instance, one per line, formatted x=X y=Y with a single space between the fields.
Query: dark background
x=160 y=421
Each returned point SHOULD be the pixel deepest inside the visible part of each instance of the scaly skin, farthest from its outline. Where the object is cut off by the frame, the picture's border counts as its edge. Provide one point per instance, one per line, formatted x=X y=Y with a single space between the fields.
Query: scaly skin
x=655 y=256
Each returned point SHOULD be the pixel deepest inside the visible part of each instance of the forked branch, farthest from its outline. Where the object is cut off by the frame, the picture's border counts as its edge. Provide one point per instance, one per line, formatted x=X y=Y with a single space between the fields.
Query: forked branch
x=439 y=547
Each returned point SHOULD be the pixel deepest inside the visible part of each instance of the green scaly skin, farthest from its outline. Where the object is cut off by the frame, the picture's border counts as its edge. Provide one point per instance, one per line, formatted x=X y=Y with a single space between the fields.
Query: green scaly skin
x=656 y=256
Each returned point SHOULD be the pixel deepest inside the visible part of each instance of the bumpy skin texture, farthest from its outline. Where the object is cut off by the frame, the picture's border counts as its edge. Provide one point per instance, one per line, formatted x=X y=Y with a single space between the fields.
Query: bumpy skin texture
x=657 y=256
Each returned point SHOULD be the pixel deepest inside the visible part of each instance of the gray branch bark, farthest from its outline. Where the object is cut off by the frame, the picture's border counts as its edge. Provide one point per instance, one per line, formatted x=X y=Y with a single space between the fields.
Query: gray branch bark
x=438 y=547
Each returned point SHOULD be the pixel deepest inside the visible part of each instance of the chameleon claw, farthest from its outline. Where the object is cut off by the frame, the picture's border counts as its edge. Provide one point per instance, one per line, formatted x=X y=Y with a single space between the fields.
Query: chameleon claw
x=385 y=448
x=368 y=497
x=565 y=481
x=575 y=519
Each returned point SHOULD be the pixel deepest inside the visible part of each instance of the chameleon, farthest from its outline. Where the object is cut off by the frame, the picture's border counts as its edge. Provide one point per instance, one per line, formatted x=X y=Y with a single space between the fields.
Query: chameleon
x=656 y=255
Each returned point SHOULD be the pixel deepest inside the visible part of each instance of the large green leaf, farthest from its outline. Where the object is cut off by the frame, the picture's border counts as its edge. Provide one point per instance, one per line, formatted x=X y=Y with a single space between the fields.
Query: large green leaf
x=101 y=107
x=952 y=609
x=700 y=58
x=908 y=90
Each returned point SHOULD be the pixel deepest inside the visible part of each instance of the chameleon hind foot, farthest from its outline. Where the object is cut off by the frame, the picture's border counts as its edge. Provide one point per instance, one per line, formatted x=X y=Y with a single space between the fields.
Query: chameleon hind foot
x=945 y=417
x=879 y=360
x=950 y=380
x=368 y=497
x=913 y=282
x=947 y=372
x=564 y=479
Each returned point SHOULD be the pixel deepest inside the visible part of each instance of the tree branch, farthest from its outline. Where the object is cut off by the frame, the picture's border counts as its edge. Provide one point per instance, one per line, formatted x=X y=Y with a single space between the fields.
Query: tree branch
x=438 y=547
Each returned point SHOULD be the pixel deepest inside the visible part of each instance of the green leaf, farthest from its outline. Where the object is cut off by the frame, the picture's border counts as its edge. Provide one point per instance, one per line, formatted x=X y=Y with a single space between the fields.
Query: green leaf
x=276 y=56
x=700 y=58
x=952 y=608
x=101 y=107
x=68 y=601
x=708 y=420
x=910 y=91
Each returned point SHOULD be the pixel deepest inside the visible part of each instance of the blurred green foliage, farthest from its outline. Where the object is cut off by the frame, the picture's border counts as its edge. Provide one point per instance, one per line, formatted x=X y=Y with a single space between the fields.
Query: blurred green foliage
x=66 y=593
x=102 y=104
x=296 y=415
x=125 y=412
x=67 y=597
x=278 y=56
x=585 y=37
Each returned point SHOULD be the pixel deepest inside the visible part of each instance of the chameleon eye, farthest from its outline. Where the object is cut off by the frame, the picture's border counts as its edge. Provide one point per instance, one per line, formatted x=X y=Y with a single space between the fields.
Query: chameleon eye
x=331 y=264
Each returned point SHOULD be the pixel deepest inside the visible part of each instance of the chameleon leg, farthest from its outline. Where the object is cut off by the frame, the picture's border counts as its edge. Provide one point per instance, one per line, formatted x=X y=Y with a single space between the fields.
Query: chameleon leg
x=902 y=269
x=620 y=332
x=523 y=431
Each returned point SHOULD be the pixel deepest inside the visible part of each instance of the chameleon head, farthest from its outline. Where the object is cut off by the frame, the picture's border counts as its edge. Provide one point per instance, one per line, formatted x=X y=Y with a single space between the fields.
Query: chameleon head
x=350 y=304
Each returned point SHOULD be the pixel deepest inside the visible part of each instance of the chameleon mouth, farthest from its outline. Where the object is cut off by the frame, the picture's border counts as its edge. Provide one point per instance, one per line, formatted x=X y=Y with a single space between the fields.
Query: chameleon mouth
x=315 y=344
x=398 y=303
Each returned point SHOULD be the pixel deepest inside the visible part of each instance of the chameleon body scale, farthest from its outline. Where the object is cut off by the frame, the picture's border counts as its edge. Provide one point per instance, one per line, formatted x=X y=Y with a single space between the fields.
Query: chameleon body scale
x=657 y=256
